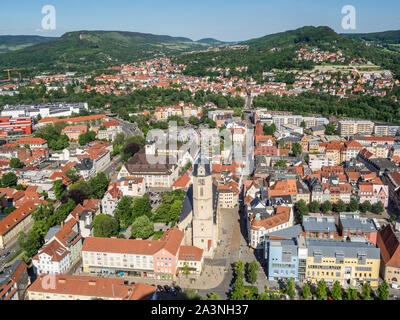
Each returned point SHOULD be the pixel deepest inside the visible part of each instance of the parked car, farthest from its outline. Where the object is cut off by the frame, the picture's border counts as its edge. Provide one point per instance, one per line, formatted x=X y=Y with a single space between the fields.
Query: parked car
x=173 y=291
x=395 y=286
x=178 y=289
x=160 y=288
x=167 y=288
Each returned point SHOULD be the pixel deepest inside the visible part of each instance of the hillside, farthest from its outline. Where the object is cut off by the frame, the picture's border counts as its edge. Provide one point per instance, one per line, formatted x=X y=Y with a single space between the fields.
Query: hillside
x=277 y=51
x=89 y=50
x=211 y=41
x=11 y=43
x=389 y=40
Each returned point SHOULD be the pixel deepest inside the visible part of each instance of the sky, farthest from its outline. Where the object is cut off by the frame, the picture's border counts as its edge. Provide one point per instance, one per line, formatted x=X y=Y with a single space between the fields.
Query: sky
x=228 y=20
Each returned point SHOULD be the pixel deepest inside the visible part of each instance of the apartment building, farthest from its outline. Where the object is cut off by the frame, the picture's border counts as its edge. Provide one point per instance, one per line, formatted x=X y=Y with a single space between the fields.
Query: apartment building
x=32 y=142
x=67 y=287
x=14 y=281
x=353 y=127
x=60 y=251
x=17 y=221
x=156 y=259
x=348 y=262
x=263 y=220
x=155 y=175
x=15 y=126
x=163 y=113
x=317 y=161
x=73 y=132
x=59 y=109
x=110 y=200
x=386 y=130
x=351 y=225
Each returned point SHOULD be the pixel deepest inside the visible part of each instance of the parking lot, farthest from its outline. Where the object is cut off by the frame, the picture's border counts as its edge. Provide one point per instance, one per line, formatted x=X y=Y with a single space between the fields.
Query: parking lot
x=155 y=199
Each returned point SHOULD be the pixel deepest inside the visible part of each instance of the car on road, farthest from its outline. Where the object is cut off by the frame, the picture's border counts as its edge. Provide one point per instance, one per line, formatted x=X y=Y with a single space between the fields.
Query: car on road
x=6 y=254
x=167 y=288
x=160 y=288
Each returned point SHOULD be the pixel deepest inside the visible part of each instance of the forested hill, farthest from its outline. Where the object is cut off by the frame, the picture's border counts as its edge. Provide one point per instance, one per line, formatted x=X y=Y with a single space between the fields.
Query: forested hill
x=88 y=50
x=11 y=43
x=382 y=37
x=388 y=40
x=277 y=51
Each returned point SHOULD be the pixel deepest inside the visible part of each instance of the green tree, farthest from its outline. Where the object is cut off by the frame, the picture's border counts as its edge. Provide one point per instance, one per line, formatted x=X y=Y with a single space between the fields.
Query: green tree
x=383 y=291
x=142 y=227
x=306 y=292
x=15 y=163
x=366 y=291
x=378 y=208
x=366 y=206
x=321 y=290
x=59 y=189
x=142 y=207
x=290 y=288
x=269 y=130
x=86 y=137
x=123 y=212
x=351 y=294
x=340 y=206
x=314 y=206
x=194 y=121
x=281 y=163
x=252 y=269
x=326 y=206
x=301 y=210
x=353 y=205
x=296 y=149
x=330 y=129
x=105 y=226
x=73 y=175
x=98 y=185
x=336 y=291
x=9 y=180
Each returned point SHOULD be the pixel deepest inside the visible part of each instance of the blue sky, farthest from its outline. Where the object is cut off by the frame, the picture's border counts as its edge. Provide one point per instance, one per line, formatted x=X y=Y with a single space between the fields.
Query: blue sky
x=229 y=20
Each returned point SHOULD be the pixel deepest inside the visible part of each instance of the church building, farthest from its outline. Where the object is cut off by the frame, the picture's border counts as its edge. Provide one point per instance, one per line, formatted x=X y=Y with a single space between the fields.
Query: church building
x=199 y=215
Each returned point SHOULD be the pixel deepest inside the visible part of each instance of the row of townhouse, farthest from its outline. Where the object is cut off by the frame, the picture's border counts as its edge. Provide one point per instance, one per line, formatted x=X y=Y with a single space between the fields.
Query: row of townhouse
x=158 y=259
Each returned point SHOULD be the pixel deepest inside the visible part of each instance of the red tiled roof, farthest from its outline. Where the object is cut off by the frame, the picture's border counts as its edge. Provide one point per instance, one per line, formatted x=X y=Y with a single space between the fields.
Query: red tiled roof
x=94 y=287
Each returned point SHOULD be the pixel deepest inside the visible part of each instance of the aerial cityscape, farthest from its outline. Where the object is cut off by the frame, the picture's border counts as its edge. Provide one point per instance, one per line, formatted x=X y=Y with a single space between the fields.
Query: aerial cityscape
x=137 y=166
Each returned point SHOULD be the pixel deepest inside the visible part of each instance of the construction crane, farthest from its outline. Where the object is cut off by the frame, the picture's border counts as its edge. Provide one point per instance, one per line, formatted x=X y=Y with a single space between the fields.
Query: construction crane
x=15 y=69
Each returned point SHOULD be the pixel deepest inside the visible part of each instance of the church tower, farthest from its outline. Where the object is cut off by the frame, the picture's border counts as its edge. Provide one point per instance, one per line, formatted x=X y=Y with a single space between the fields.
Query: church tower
x=204 y=227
